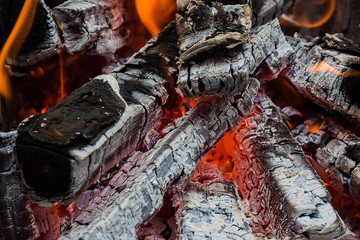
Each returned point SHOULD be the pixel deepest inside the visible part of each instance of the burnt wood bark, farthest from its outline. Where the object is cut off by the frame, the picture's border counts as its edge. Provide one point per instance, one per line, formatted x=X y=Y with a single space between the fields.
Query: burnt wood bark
x=174 y=156
x=92 y=26
x=104 y=119
x=325 y=71
x=20 y=218
x=211 y=211
x=226 y=71
x=336 y=156
x=274 y=176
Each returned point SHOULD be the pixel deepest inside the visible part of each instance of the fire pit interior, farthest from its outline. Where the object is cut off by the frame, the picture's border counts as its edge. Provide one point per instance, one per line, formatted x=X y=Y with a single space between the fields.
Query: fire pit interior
x=187 y=119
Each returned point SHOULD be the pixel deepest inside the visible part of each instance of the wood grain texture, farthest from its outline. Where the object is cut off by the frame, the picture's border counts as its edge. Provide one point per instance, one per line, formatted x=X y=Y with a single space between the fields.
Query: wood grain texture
x=281 y=186
x=174 y=156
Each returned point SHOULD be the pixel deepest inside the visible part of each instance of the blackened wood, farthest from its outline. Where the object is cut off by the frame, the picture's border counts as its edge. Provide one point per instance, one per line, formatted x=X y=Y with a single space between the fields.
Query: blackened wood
x=226 y=71
x=58 y=160
x=174 y=156
x=326 y=74
x=336 y=154
x=266 y=10
x=20 y=218
x=92 y=26
x=43 y=40
x=274 y=176
x=211 y=211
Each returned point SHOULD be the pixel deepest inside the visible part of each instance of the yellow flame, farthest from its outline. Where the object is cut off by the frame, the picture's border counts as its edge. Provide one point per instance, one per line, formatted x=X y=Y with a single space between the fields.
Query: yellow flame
x=155 y=14
x=13 y=43
x=302 y=9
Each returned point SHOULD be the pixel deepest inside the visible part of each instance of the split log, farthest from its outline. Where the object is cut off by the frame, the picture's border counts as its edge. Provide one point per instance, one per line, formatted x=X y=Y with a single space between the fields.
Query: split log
x=274 y=176
x=174 y=156
x=20 y=219
x=325 y=71
x=336 y=154
x=267 y=10
x=92 y=26
x=209 y=208
x=227 y=71
x=43 y=40
x=64 y=150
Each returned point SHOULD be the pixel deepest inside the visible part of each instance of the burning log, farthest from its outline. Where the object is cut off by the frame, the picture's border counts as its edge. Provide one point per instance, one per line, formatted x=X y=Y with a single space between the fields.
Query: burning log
x=211 y=210
x=325 y=72
x=43 y=40
x=92 y=26
x=227 y=72
x=64 y=150
x=20 y=219
x=336 y=153
x=266 y=10
x=273 y=175
x=174 y=156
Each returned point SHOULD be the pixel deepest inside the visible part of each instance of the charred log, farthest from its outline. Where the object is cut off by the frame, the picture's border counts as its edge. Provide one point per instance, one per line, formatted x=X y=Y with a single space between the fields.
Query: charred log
x=271 y=169
x=174 y=156
x=226 y=71
x=96 y=124
x=325 y=71
x=209 y=207
x=92 y=26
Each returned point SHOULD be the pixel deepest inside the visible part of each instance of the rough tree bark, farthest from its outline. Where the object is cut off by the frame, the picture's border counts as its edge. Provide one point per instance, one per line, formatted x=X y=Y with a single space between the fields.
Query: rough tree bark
x=174 y=156
x=226 y=71
x=326 y=71
x=274 y=176
x=65 y=150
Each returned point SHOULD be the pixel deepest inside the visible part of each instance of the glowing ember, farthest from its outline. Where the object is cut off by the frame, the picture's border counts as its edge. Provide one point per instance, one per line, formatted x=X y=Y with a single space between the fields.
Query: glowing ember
x=323 y=67
x=154 y=14
x=303 y=16
x=16 y=39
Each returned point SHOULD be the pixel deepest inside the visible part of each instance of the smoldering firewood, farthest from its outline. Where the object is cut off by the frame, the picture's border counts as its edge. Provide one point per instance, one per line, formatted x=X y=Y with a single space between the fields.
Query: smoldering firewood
x=266 y=10
x=64 y=150
x=20 y=219
x=325 y=71
x=337 y=154
x=226 y=71
x=92 y=26
x=275 y=177
x=209 y=208
x=43 y=40
x=174 y=156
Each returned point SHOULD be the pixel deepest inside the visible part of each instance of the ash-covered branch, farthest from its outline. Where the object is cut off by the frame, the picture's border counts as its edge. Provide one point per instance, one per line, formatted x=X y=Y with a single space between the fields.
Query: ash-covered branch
x=326 y=72
x=64 y=150
x=226 y=70
x=281 y=186
x=174 y=156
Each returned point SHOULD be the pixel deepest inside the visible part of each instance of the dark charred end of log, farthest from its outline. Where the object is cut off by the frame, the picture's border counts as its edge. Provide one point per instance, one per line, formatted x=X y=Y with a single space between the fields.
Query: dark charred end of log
x=44 y=171
x=80 y=117
x=351 y=86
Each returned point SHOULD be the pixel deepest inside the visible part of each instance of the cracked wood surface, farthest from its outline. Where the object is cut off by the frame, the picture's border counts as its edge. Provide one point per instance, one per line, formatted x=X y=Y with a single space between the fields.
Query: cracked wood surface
x=92 y=26
x=211 y=211
x=174 y=156
x=337 y=154
x=59 y=161
x=20 y=219
x=325 y=72
x=281 y=186
x=226 y=71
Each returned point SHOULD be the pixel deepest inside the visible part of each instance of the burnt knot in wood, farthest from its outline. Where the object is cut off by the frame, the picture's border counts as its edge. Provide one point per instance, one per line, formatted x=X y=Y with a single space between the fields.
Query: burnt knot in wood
x=81 y=116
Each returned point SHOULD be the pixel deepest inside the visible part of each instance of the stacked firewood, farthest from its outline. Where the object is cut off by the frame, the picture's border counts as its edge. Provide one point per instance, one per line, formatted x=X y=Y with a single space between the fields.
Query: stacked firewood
x=218 y=52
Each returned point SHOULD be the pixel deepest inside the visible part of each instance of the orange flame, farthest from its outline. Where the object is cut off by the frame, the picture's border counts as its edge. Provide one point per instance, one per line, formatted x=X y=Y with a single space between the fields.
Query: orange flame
x=303 y=15
x=323 y=67
x=155 y=14
x=13 y=43
x=313 y=128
